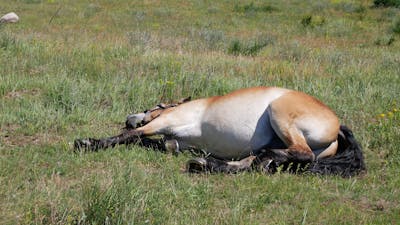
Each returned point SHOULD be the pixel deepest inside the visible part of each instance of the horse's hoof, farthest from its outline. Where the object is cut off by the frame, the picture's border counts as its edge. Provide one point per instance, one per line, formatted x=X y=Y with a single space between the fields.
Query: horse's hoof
x=172 y=146
x=268 y=166
x=134 y=120
x=85 y=144
x=196 y=165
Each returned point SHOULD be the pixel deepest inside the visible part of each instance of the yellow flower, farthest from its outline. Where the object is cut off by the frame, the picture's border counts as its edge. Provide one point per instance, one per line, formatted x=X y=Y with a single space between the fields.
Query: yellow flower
x=382 y=115
x=395 y=110
x=390 y=114
x=169 y=82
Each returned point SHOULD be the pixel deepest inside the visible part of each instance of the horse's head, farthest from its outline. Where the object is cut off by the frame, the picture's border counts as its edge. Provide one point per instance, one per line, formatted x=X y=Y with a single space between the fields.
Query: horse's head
x=140 y=119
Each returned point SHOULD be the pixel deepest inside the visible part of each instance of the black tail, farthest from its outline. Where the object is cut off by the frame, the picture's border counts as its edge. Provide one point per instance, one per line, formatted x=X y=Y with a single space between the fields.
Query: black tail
x=348 y=161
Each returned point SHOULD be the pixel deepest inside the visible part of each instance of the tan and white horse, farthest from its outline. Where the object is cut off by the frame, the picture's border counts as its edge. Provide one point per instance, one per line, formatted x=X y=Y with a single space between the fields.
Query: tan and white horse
x=265 y=123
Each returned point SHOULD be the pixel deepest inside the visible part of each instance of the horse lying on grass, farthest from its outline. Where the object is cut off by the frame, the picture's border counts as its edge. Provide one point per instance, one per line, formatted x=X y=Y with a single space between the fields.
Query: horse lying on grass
x=263 y=127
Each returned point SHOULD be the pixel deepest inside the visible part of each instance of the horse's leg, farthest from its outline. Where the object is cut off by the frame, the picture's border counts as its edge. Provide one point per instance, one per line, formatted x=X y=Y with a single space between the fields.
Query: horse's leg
x=267 y=161
x=297 y=148
x=303 y=124
x=126 y=137
x=298 y=154
x=217 y=165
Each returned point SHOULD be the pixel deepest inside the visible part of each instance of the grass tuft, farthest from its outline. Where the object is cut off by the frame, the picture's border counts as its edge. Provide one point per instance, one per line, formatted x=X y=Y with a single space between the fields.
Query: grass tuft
x=7 y=40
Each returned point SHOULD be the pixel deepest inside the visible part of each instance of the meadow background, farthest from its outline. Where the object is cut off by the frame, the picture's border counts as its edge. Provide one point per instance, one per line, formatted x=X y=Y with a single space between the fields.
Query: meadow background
x=71 y=69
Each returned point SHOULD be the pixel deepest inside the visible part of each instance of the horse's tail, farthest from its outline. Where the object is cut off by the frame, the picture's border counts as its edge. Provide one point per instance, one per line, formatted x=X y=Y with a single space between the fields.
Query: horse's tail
x=348 y=161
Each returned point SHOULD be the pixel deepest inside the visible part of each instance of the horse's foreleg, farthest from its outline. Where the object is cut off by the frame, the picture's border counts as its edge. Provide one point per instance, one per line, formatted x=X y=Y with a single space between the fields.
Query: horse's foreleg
x=270 y=160
x=126 y=137
x=211 y=164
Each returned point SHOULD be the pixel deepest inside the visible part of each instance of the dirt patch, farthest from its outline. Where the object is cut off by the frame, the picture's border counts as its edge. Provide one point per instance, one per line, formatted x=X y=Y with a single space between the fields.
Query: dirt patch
x=381 y=205
x=11 y=136
x=367 y=204
x=21 y=93
x=26 y=140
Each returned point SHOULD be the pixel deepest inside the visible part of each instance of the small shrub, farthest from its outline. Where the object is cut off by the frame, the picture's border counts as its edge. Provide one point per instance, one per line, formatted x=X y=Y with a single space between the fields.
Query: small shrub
x=249 y=48
x=235 y=47
x=306 y=21
x=252 y=8
x=396 y=26
x=384 y=40
x=387 y=3
x=312 y=21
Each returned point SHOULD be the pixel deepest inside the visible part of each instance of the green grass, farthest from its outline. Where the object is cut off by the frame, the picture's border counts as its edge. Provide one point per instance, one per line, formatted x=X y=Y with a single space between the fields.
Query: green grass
x=73 y=69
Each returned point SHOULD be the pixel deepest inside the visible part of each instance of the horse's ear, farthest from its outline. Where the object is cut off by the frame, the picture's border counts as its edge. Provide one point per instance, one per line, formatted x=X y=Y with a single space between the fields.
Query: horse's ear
x=183 y=100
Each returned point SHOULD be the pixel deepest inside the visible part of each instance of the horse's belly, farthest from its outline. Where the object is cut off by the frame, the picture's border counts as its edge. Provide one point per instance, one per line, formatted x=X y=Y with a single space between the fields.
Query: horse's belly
x=235 y=142
x=236 y=136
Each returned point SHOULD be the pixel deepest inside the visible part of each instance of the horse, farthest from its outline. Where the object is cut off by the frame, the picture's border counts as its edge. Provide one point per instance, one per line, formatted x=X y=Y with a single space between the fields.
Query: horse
x=262 y=127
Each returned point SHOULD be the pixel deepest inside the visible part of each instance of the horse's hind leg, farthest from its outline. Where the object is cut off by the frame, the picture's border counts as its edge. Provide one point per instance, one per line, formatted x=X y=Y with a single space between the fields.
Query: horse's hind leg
x=285 y=116
x=297 y=148
x=305 y=125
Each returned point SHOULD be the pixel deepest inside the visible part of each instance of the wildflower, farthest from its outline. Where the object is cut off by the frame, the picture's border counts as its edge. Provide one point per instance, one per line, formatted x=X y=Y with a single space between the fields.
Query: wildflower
x=382 y=115
x=390 y=114
x=168 y=82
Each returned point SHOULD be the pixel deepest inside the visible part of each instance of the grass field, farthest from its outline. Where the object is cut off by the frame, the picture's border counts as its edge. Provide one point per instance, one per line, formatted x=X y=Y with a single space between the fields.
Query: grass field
x=71 y=69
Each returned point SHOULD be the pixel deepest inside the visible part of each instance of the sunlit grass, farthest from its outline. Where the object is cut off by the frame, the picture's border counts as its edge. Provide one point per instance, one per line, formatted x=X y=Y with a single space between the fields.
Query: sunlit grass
x=74 y=69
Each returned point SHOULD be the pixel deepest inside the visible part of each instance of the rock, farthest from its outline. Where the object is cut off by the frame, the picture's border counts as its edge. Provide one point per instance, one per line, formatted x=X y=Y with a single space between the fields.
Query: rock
x=9 y=18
